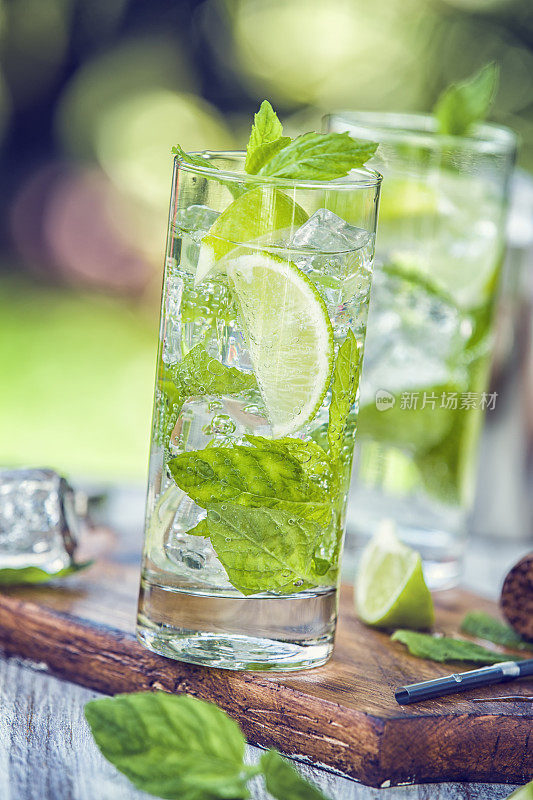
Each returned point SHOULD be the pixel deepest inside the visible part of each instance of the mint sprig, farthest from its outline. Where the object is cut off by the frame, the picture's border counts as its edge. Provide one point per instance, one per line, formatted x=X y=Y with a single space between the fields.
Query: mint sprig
x=444 y=648
x=464 y=104
x=36 y=575
x=319 y=156
x=181 y=748
x=265 y=140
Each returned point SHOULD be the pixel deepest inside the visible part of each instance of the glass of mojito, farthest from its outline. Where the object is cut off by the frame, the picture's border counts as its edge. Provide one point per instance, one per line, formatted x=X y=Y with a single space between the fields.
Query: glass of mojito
x=424 y=389
x=263 y=320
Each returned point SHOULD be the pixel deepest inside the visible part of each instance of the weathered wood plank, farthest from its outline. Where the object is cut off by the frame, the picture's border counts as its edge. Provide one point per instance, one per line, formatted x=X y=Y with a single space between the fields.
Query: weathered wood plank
x=47 y=752
x=343 y=714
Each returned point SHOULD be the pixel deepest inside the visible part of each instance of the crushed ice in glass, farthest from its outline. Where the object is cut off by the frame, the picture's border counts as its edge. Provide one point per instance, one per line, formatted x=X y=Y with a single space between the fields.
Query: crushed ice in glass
x=327 y=232
x=38 y=522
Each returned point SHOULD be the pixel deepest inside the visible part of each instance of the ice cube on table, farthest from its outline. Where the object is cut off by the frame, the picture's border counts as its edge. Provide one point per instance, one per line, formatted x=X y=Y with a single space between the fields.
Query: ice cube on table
x=38 y=523
x=327 y=232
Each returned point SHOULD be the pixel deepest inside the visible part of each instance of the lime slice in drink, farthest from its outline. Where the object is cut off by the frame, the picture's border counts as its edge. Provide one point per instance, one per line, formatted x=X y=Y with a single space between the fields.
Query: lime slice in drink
x=390 y=590
x=255 y=216
x=289 y=336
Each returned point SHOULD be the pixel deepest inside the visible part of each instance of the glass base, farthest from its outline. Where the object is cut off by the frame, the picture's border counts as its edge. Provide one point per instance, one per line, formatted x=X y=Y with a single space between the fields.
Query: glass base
x=260 y=633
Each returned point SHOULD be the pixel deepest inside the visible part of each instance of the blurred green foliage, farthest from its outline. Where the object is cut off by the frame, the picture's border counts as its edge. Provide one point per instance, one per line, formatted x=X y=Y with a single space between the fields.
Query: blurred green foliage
x=111 y=85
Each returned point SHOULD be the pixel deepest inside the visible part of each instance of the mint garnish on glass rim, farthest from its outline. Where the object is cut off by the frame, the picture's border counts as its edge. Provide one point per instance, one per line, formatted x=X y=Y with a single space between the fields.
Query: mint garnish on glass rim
x=464 y=104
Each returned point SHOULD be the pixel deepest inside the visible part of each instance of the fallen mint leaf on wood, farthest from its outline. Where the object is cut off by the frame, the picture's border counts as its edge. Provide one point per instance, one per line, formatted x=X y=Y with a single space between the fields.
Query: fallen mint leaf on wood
x=484 y=626
x=34 y=575
x=444 y=648
x=284 y=782
x=182 y=748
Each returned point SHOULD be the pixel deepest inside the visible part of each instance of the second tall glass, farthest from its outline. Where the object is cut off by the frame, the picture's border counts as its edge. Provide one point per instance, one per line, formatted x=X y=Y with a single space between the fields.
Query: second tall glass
x=424 y=385
x=263 y=322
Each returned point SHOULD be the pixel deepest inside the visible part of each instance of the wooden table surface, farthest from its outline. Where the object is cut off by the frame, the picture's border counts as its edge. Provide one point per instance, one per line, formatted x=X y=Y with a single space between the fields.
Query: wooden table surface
x=47 y=752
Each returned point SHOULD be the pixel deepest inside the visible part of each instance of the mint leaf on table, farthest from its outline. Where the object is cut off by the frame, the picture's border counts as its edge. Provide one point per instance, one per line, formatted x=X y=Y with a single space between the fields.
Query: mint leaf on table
x=319 y=156
x=484 y=626
x=523 y=793
x=265 y=140
x=343 y=392
x=264 y=549
x=35 y=575
x=284 y=782
x=181 y=748
x=171 y=746
x=444 y=648
x=224 y=473
x=464 y=104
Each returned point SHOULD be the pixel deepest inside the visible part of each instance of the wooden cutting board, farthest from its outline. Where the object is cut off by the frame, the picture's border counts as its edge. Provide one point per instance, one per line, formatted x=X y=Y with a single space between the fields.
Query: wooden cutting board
x=342 y=715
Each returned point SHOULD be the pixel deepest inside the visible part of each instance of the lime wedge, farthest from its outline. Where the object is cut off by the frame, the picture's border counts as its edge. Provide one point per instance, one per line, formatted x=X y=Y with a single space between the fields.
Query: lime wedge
x=252 y=217
x=390 y=590
x=289 y=336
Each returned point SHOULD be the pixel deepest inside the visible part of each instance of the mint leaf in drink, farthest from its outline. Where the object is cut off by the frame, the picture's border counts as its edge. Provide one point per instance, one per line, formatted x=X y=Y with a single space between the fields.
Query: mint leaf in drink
x=444 y=648
x=343 y=392
x=266 y=138
x=34 y=575
x=464 y=104
x=198 y=374
x=284 y=782
x=171 y=746
x=313 y=460
x=319 y=156
x=484 y=626
x=222 y=473
x=264 y=549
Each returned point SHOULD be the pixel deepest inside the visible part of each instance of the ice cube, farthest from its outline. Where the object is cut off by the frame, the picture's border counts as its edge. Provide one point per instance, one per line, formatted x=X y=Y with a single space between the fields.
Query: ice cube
x=414 y=338
x=38 y=523
x=195 y=219
x=327 y=232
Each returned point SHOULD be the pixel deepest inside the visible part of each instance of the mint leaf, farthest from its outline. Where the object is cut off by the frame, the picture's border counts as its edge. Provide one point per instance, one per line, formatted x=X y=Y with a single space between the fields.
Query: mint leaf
x=200 y=529
x=523 y=793
x=265 y=138
x=343 y=392
x=171 y=746
x=313 y=460
x=284 y=782
x=264 y=549
x=263 y=153
x=32 y=575
x=222 y=473
x=192 y=158
x=319 y=156
x=464 y=104
x=198 y=374
x=444 y=648
x=483 y=626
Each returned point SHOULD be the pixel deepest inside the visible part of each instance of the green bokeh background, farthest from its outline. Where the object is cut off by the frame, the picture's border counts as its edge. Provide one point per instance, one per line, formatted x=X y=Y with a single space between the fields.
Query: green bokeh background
x=93 y=93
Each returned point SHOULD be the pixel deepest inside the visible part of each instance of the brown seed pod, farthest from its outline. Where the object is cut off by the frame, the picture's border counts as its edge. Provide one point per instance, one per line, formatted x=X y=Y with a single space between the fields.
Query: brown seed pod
x=517 y=597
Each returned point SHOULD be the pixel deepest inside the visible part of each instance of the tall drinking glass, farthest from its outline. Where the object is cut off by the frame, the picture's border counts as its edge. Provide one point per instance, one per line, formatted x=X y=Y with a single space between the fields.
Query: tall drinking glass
x=263 y=321
x=424 y=387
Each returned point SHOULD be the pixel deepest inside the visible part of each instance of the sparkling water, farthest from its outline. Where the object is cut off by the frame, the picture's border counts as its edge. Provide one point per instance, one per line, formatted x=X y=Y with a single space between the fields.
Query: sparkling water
x=183 y=579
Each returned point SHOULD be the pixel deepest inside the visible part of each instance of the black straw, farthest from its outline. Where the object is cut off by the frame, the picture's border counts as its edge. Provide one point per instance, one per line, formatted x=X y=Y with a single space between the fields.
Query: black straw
x=462 y=681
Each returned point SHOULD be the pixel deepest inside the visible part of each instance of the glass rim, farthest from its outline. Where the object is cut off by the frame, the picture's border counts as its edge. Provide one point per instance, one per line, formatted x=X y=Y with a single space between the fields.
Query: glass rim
x=393 y=126
x=372 y=178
